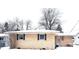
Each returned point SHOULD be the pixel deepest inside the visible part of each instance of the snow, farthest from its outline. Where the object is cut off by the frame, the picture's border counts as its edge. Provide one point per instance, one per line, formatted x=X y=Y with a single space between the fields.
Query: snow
x=59 y=53
x=65 y=34
x=30 y=31
x=76 y=39
x=3 y=35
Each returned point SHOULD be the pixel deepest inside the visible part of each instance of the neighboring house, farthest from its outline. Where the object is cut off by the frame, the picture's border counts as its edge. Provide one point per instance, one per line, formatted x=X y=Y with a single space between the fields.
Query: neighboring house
x=39 y=39
x=4 y=40
x=64 y=39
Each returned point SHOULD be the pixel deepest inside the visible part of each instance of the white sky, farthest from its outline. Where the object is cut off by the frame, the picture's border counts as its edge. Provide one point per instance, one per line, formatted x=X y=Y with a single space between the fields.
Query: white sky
x=31 y=9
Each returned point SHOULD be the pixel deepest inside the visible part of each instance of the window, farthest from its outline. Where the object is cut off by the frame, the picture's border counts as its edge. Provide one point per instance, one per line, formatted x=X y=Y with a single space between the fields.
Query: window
x=1 y=38
x=2 y=44
x=20 y=36
x=41 y=36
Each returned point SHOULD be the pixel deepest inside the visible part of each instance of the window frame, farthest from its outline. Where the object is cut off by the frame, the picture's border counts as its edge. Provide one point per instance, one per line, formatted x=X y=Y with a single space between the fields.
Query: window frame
x=40 y=35
x=22 y=37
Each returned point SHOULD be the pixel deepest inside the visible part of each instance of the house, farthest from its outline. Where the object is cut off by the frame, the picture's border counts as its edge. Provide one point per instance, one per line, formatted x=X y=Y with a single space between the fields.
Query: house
x=39 y=39
x=34 y=39
x=64 y=39
x=4 y=40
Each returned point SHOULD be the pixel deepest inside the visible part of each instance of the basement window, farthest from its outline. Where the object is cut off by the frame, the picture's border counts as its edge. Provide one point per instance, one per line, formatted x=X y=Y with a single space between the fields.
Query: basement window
x=41 y=36
x=20 y=36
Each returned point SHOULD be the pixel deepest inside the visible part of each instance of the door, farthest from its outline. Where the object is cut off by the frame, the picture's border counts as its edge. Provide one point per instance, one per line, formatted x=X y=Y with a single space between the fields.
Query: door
x=58 y=41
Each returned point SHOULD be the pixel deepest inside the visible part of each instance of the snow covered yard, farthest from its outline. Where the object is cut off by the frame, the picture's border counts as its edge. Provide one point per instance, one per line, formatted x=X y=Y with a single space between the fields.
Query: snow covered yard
x=59 y=53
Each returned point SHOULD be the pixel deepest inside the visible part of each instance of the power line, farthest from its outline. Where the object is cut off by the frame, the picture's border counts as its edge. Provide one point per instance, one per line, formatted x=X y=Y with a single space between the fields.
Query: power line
x=74 y=26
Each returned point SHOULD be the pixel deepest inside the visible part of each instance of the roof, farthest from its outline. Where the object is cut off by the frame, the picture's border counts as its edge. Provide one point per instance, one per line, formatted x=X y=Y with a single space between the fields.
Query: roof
x=65 y=34
x=30 y=31
x=1 y=35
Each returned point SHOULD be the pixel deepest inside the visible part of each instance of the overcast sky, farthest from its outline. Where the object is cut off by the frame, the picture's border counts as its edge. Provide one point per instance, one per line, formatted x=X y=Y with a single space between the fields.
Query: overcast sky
x=31 y=9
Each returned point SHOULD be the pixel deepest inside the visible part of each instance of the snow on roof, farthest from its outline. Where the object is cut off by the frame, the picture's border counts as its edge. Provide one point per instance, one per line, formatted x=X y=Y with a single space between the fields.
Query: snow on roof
x=30 y=31
x=65 y=34
x=43 y=31
x=3 y=35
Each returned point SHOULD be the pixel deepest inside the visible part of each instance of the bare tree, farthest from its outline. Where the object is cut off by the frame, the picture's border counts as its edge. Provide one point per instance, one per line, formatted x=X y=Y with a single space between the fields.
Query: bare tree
x=28 y=25
x=12 y=25
x=50 y=19
x=15 y=25
x=19 y=24
x=1 y=27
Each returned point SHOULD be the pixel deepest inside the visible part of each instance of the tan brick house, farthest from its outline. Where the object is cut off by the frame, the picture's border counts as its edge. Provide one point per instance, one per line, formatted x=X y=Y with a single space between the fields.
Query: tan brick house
x=39 y=39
